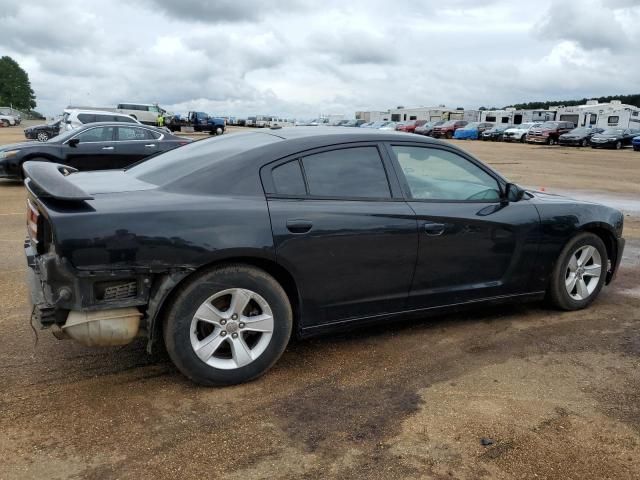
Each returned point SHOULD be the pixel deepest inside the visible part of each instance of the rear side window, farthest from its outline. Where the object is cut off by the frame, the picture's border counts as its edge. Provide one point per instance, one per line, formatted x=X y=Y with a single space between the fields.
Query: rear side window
x=351 y=172
x=133 y=133
x=86 y=118
x=125 y=119
x=288 y=180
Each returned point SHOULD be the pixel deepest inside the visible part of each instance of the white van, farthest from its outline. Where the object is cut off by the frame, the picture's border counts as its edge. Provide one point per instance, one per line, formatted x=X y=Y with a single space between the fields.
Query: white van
x=146 y=113
x=74 y=118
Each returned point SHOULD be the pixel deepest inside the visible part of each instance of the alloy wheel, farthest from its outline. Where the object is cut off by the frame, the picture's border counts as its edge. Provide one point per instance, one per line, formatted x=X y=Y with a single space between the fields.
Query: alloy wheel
x=232 y=328
x=583 y=272
x=43 y=137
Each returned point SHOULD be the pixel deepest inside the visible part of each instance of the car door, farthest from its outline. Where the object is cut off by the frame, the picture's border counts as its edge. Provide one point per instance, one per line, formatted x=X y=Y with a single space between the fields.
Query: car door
x=341 y=226
x=472 y=245
x=94 y=151
x=134 y=143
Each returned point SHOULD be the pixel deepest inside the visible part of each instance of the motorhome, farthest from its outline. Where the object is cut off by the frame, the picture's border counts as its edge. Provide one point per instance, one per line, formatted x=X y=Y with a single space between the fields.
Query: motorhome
x=601 y=115
x=512 y=116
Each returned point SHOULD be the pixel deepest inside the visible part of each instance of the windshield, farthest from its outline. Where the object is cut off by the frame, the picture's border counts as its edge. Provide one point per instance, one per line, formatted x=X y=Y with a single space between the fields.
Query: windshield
x=472 y=126
x=183 y=161
x=450 y=123
x=581 y=131
x=613 y=131
x=552 y=125
x=527 y=126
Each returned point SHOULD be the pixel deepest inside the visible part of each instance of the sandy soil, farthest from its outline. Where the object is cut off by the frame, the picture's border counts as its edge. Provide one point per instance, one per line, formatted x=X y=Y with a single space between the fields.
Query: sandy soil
x=557 y=393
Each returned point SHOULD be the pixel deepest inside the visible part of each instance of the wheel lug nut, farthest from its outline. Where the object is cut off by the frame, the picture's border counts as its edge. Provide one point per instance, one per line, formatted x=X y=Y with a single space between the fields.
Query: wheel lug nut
x=234 y=316
x=223 y=333
x=234 y=335
x=241 y=325
x=223 y=322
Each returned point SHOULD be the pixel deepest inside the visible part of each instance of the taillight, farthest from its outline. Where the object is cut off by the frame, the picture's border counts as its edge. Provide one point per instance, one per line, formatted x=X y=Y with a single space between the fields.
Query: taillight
x=33 y=217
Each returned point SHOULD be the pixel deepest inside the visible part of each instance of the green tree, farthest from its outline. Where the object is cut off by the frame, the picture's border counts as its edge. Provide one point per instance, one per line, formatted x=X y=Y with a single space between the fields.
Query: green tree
x=15 y=88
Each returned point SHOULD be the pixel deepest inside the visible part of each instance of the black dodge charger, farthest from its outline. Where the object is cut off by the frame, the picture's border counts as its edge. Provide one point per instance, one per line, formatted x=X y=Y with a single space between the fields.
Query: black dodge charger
x=94 y=146
x=226 y=248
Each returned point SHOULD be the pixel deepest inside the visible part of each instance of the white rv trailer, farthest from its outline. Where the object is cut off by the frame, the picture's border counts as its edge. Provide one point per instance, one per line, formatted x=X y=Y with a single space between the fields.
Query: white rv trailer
x=601 y=115
x=402 y=114
x=373 y=116
x=516 y=117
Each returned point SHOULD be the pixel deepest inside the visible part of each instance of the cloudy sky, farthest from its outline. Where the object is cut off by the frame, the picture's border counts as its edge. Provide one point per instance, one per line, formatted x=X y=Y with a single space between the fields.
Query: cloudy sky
x=306 y=57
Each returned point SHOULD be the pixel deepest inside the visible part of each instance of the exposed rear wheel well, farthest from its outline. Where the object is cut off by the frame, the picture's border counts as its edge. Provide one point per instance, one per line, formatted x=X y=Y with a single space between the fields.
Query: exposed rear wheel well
x=282 y=276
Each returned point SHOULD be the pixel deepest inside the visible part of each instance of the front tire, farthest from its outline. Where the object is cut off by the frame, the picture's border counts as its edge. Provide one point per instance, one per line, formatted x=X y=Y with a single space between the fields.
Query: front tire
x=584 y=143
x=42 y=136
x=579 y=273
x=449 y=135
x=618 y=145
x=228 y=325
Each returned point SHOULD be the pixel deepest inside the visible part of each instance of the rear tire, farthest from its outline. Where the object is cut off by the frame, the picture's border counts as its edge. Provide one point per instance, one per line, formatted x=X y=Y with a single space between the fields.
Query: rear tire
x=523 y=139
x=551 y=141
x=449 y=135
x=570 y=286
x=584 y=142
x=242 y=353
x=5 y=123
x=618 y=145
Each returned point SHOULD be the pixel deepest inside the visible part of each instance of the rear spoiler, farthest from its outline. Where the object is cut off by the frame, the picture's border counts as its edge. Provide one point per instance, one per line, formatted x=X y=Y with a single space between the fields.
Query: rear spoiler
x=48 y=180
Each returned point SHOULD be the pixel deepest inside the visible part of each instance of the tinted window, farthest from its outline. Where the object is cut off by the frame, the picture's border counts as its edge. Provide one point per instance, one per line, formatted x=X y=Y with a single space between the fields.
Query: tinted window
x=350 y=172
x=434 y=174
x=124 y=118
x=98 y=134
x=103 y=118
x=133 y=133
x=86 y=118
x=181 y=162
x=288 y=179
x=613 y=120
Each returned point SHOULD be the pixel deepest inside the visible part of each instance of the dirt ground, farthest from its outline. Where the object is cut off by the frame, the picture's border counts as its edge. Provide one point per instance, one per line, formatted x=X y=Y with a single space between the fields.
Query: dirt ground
x=558 y=394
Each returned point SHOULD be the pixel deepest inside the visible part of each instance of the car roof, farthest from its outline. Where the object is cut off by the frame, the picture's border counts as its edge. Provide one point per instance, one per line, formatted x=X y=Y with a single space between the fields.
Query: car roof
x=122 y=124
x=101 y=112
x=341 y=134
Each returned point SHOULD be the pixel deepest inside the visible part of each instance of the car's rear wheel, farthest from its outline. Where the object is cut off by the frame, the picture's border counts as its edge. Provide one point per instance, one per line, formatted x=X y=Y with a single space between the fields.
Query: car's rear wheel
x=551 y=141
x=584 y=142
x=523 y=139
x=42 y=136
x=579 y=273
x=5 y=123
x=228 y=325
x=618 y=145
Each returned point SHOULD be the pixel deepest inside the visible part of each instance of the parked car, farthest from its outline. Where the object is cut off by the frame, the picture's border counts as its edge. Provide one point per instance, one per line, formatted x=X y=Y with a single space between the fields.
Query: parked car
x=578 y=137
x=636 y=143
x=472 y=131
x=75 y=118
x=355 y=123
x=518 y=133
x=10 y=112
x=549 y=132
x=447 y=129
x=495 y=133
x=428 y=127
x=376 y=125
x=411 y=125
x=202 y=248
x=96 y=146
x=614 y=138
x=389 y=126
x=43 y=132
x=7 y=120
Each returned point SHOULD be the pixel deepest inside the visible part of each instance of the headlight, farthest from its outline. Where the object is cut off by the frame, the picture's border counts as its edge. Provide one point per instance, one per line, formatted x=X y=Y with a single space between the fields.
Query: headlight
x=8 y=154
x=612 y=139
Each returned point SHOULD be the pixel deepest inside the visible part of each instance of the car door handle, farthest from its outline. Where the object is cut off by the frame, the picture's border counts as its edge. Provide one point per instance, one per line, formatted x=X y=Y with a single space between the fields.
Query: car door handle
x=299 y=226
x=107 y=148
x=150 y=145
x=434 y=229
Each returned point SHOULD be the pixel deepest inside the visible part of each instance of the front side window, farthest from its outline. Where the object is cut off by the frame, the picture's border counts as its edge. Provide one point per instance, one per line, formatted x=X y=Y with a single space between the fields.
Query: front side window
x=351 y=172
x=98 y=134
x=434 y=174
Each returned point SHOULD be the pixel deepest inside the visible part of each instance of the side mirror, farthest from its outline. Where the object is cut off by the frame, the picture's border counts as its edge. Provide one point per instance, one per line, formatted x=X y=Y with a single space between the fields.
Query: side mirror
x=74 y=142
x=512 y=193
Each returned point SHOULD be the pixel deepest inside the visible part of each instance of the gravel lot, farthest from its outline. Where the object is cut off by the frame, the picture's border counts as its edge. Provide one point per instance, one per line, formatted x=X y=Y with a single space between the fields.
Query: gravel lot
x=557 y=393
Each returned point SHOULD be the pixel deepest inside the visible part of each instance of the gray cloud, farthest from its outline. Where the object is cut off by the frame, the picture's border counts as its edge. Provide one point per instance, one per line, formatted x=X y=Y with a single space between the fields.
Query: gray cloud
x=302 y=58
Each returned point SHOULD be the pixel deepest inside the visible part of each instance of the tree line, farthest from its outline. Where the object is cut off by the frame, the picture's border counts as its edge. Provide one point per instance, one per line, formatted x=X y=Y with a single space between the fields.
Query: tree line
x=15 y=87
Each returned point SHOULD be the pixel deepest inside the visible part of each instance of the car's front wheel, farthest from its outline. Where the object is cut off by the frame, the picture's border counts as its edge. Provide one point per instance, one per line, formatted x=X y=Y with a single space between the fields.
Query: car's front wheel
x=584 y=142
x=579 y=273
x=618 y=145
x=42 y=136
x=228 y=325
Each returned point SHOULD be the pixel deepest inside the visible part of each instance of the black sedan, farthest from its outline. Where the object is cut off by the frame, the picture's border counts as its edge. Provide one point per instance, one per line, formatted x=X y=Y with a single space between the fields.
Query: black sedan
x=578 y=137
x=614 y=138
x=43 y=132
x=226 y=248
x=95 y=146
x=496 y=133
